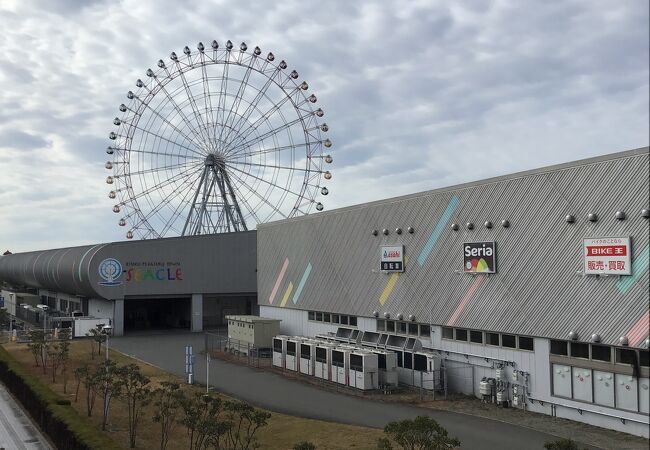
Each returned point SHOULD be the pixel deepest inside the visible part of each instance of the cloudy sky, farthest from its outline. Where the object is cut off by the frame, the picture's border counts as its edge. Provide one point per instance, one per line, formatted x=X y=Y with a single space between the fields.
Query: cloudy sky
x=418 y=94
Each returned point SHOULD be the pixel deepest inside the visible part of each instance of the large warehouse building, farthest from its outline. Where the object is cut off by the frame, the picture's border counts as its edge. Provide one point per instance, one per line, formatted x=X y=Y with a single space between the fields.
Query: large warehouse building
x=541 y=276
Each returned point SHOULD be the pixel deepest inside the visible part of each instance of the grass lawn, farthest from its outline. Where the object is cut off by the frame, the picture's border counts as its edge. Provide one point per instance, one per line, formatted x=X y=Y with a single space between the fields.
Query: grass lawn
x=281 y=433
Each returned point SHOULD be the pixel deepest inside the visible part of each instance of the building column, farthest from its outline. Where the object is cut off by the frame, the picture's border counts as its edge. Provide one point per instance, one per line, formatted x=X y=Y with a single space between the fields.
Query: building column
x=118 y=317
x=197 y=312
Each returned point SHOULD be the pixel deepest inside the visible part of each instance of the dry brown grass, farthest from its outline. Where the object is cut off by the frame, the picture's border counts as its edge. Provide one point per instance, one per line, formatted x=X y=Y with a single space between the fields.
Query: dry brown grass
x=281 y=433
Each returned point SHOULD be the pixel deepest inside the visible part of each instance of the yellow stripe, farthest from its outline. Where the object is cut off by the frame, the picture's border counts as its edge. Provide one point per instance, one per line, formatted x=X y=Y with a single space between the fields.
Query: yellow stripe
x=287 y=293
x=392 y=281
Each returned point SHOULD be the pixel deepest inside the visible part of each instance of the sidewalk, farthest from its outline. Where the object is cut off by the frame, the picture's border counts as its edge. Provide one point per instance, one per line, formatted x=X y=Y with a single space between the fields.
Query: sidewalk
x=16 y=429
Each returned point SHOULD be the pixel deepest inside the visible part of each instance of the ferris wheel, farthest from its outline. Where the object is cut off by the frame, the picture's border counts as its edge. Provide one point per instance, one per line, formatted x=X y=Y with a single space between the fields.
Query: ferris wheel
x=217 y=140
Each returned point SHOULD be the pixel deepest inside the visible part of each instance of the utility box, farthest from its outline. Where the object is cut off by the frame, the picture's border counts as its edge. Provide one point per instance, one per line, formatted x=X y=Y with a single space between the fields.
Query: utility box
x=251 y=332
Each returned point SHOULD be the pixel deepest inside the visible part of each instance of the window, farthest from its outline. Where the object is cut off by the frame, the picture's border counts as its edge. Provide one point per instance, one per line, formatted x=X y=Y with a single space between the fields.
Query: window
x=390 y=326
x=321 y=355
x=643 y=357
x=344 y=320
x=461 y=335
x=425 y=331
x=305 y=351
x=526 y=343
x=326 y=317
x=579 y=350
x=401 y=327
x=399 y=359
x=277 y=345
x=625 y=356
x=413 y=329
x=319 y=317
x=381 y=325
x=447 y=333
x=311 y=315
x=492 y=338
x=381 y=361
x=476 y=336
x=601 y=353
x=335 y=318
x=559 y=348
x=356 y=363
x=508 y=340
x=291 y=348
x=353 y=321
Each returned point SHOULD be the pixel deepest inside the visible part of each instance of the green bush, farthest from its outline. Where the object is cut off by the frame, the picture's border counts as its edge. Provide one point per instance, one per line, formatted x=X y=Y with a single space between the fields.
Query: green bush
x=54 y=414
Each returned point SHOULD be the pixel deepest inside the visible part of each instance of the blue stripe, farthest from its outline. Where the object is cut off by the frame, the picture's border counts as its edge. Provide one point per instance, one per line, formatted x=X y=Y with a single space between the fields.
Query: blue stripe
x=639 y=266
x=301 y=285
x=437 y=231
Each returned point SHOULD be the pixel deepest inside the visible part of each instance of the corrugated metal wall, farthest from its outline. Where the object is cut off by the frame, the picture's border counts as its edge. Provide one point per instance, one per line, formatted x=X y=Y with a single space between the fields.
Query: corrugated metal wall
x=537 y=289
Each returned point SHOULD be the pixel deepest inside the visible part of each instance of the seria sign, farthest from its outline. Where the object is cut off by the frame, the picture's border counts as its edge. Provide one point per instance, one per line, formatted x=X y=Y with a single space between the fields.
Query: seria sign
x=479 y=257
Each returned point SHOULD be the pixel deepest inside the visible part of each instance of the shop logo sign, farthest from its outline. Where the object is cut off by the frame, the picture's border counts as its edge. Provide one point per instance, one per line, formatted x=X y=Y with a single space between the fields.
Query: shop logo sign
x=110 y=270
x=479 y=257
x=607 y=256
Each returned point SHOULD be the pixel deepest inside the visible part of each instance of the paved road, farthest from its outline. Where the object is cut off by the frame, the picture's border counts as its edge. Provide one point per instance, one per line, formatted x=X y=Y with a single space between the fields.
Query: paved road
x=277 y=393
x=16 y=430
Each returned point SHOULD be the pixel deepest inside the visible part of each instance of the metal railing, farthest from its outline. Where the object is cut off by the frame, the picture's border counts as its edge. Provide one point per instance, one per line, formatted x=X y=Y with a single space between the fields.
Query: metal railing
x=217 y=344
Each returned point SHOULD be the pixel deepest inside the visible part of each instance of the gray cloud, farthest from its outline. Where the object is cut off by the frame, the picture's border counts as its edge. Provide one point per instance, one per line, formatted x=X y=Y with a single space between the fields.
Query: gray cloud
x=425 y=94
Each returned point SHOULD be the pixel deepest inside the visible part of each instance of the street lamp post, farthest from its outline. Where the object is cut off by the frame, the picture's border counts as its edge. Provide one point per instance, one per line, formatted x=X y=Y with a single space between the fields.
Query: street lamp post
x=106 y=329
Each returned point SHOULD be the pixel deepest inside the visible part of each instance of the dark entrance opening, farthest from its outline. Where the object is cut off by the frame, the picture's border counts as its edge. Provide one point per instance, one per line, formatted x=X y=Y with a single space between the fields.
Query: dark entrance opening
x=157 y=314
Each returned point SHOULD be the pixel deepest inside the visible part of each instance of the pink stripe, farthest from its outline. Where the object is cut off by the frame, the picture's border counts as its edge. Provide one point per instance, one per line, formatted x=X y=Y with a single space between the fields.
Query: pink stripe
x=279 y=280
x=470 y=293
x=640 y=329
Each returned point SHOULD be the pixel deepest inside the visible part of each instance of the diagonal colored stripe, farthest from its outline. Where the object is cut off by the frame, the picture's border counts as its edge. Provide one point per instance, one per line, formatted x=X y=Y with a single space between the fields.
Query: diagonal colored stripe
x=639 y=266
x=301 y=284
x=640 y=329
x=279 y=280
x=392 y=280
x=437 y=231
x=286 y=295
x=468 y=295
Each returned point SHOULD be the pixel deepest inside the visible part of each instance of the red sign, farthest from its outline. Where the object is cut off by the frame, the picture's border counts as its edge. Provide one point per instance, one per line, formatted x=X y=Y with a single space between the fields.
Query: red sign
x=607 y=250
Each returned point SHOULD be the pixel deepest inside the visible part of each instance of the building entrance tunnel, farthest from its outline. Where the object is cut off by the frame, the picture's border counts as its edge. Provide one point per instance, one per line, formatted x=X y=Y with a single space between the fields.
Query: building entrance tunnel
x=157 y=314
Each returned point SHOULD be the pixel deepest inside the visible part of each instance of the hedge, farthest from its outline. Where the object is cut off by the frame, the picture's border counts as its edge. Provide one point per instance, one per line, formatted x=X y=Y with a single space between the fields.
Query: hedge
x=65 y=427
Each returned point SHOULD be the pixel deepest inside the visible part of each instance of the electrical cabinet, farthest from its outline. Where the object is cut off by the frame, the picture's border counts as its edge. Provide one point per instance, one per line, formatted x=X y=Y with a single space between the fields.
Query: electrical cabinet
x=562 y=380
x=604 y=388
x=582 y=384
x=627 y=394
x=644 y=395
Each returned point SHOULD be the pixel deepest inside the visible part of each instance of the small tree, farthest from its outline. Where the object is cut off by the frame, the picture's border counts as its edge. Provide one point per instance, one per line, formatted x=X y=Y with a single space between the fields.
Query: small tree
x=96 y=337
x=35 y=346
x=168 y=401
x=64 y=355
x=109 y=386
x=202 y=420
x=561 y=444
x=89 y=380
x=53 y=357
x=304 y=445
x=422 y=433
x=79 y=376
x=136 y=394
x=245 y=421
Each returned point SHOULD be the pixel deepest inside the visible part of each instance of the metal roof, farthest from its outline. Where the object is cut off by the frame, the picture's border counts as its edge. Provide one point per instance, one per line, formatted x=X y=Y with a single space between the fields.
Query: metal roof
x=538 y=290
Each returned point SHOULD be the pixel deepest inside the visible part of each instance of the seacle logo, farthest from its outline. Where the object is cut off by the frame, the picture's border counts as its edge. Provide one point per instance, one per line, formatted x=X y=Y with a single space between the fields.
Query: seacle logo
x=110 y=270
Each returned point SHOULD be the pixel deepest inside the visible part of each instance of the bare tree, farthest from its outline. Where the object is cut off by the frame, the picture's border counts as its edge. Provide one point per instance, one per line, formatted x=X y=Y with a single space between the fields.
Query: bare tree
x=64 y=355
x=245 y=421
x=35 y=345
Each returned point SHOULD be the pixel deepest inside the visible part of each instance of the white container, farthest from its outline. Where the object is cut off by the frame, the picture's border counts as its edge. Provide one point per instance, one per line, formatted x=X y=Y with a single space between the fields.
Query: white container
x=279 y=350
x=292 y=353
x=485 y=388
x=323 y=361
x=500 y=396
x=500 y=374
x=340 y=361
x=363 y=372
x=307 y=356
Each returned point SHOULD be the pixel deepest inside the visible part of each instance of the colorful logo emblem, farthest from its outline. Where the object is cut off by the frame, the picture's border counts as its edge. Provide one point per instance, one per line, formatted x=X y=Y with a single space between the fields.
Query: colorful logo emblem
x=110 y=270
